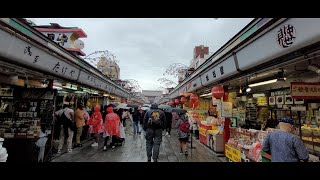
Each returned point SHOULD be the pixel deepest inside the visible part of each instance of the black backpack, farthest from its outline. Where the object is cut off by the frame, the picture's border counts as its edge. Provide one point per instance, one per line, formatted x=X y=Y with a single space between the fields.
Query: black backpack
x=154 y=120
x=67 y=123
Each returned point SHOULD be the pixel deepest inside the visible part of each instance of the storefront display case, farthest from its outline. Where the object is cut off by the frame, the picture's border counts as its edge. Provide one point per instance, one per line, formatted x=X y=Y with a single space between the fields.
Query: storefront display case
x=32 y=113
x=248 y=142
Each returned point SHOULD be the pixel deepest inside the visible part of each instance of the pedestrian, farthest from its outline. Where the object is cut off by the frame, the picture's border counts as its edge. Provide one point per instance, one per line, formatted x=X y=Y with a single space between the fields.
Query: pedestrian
x=183 y=129
x=112 y=127
x=142 y=113
x=125 y=116
x=136 y=120
x=80 y=118
x=169 y=122
x=283 y=145
x=96 y=124
x=153 y=123
x=65 y=117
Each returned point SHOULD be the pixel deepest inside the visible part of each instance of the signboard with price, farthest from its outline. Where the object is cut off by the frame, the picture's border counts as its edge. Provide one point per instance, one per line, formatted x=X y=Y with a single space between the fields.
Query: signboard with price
x=305 y=90
x=232 y=153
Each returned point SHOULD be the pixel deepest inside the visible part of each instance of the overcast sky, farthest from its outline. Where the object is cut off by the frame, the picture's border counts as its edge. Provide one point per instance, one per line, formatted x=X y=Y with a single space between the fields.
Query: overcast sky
x=146 y=47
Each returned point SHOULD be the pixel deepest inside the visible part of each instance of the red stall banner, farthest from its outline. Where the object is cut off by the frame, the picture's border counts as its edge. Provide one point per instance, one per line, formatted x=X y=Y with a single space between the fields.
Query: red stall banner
x=305 y=90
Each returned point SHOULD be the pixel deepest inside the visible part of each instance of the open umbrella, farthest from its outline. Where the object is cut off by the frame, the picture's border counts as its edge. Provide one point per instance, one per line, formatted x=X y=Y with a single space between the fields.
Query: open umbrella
x=122 y=106
x=112 y=105
x=132 y=105
x=178 y=110
x=166 y=108
x=145 y=108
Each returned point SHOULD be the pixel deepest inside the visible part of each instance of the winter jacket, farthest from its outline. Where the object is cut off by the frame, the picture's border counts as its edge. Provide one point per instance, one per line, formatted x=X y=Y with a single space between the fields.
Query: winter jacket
x=136 y=117
x=112 y=123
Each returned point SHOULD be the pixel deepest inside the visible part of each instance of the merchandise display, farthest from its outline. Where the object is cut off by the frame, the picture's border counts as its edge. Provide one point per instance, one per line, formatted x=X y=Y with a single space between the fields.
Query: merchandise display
x=248 y=142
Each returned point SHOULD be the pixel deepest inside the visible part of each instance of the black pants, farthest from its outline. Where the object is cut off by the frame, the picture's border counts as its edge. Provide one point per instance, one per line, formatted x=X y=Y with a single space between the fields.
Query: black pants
x=113 y=140
x=168 y=129
x=154 y=139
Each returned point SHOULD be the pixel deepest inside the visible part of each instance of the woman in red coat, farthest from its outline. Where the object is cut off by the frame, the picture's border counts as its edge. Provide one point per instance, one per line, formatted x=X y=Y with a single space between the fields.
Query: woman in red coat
x=96 y=124
x=112 y=126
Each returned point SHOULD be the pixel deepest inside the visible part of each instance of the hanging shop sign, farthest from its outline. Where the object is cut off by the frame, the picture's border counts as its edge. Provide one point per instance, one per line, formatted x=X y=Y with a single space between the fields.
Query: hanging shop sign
x=221 y=70
x=305 y=90
x=262 y=101
x=217 y=92
x=194 y=85
x=288 y=36
x=92 y=81
x=22 y=52
x=232 y=153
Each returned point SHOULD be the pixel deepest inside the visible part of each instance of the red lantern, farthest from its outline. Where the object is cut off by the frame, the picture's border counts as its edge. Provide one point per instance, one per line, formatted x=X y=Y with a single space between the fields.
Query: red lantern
x=217 y=92
x=193 y=97
x=195 y=103
x=183 y=100
x=177 y=101
x=171 y=102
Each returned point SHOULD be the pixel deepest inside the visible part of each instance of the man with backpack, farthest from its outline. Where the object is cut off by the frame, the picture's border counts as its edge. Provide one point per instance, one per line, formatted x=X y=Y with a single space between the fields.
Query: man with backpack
x=65 y=121
x=183 y=129
x=154 y=122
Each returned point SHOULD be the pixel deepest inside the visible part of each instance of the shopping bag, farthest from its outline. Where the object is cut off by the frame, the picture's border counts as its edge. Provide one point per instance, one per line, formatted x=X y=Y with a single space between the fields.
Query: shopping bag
x=122 y=133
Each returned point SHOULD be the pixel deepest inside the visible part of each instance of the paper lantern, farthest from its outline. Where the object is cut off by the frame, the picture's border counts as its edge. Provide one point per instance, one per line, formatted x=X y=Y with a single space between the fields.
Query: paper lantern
x=183 y=100
x=171 y=102
x=177 y=101
x=195 y=103
x=193 y=97
x=217 y=92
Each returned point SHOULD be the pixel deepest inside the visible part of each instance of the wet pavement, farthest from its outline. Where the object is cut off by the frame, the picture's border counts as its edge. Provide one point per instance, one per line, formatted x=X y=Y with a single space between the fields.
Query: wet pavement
x=134 y=150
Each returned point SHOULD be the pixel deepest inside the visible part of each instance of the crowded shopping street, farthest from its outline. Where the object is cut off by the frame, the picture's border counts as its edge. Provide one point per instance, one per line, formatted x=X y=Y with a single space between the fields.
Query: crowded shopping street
x=133 y=150
x=159 y=90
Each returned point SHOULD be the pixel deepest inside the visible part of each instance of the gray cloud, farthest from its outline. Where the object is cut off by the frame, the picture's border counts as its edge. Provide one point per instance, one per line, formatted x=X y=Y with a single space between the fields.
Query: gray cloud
x=146 y=47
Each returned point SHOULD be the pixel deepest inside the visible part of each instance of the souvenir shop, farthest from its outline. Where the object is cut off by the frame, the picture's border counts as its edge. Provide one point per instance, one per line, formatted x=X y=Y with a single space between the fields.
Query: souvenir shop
x=37 y=77
x=252 y=87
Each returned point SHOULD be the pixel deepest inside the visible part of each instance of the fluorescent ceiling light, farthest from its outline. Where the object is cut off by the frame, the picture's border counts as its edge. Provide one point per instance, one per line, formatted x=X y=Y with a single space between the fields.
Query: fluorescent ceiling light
x=79 y=92
x=204 y=95
x=263 y=83
x=248 y=89
x=56 y=87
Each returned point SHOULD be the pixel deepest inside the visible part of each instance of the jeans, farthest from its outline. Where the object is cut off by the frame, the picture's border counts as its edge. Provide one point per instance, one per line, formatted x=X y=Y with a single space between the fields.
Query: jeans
x=69 y=140
x=79 y=133
x=136 y=127
x=154 y=139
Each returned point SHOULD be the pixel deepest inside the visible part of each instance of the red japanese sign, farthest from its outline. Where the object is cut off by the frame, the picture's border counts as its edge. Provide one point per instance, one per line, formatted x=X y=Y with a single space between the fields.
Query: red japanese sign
x=305 y=90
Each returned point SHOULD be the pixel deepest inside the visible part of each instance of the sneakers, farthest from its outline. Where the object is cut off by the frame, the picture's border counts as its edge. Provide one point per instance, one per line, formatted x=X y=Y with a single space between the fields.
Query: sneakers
x=181 y=152
x=113 y=147
x=59 y=151
x=104 y=148
x=167 y=134
x=69 y=150
x=94 y=144
x=186 y=153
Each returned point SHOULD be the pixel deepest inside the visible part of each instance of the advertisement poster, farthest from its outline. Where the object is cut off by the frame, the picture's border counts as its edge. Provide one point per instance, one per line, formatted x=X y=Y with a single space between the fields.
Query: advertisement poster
x=226 y=109
x=232 y=153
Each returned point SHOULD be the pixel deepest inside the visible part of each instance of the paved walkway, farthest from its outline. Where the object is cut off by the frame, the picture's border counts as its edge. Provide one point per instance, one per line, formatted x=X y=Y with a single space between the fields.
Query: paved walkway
x=134 y=150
